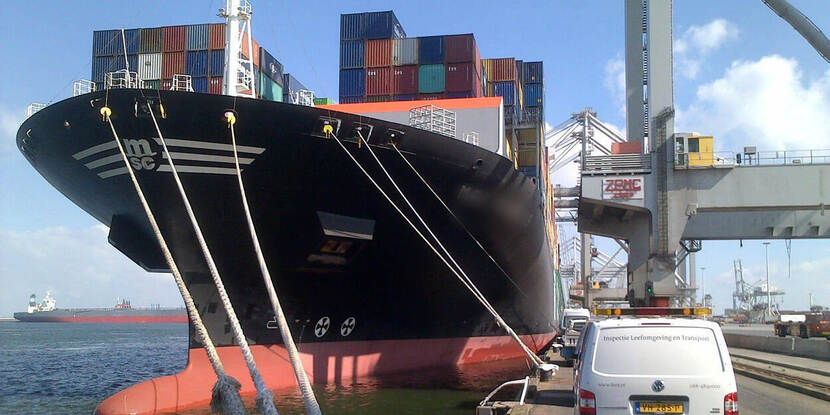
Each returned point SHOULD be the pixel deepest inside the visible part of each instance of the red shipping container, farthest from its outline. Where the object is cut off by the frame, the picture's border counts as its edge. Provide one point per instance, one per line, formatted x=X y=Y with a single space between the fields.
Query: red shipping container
x=628 y=147
x=477 y=90
x=460 y=77
x=431 y=96
x=215 y=85
x=504 y=69
x=166 y=84
x=460 y=48
x=255 y=45
x=379 y=81
x=217 y=36
x=173 y=63
x=379 y=98
x=405 y=80
x=378 y=52
x=175 y=38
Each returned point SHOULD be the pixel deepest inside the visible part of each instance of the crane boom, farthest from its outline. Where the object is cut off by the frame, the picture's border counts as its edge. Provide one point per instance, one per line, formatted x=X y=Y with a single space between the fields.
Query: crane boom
x=803 y=25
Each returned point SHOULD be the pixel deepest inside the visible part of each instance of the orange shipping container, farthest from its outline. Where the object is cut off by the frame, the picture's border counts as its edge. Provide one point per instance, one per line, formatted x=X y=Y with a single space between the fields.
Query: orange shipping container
x=217 y=36
x=628 y=147
x=166 y=84
x=175 y=38
x=255 y=45
x=215 y=86
x=378 y=52
x=504 y=69
x=173 y=63
x=379 y=81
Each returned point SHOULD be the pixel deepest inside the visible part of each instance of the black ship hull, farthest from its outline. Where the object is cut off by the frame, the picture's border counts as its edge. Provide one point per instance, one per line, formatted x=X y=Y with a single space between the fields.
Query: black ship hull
x=353 y=277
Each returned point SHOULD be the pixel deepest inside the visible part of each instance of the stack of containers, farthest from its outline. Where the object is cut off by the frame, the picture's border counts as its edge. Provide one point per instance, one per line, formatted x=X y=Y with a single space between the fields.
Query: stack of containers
x=462 y=67
x=532 y=83
x=290 y=87
x=502 y=80
x=156 y=54
x=367 y=45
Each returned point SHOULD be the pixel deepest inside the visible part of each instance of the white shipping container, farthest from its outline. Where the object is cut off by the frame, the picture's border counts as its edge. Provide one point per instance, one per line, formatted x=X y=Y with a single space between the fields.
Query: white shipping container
x=405 y=51
x=149 y=65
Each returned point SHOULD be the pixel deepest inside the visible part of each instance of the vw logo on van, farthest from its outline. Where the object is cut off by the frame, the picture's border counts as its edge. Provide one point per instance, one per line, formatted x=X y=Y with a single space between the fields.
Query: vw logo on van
x=658 y=386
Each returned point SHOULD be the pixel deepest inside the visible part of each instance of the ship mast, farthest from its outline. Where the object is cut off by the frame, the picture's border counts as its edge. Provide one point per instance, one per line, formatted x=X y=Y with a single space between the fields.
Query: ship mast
x=239 y=70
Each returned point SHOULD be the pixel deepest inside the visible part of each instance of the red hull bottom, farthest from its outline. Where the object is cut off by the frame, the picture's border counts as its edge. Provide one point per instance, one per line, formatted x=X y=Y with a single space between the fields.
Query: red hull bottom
x=336 y=362
x=115 y=319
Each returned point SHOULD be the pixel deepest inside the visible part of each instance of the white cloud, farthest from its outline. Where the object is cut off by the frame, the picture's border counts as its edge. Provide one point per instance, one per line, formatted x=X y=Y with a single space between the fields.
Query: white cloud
x=78 y=266
x=696 y=42
x=766 y=103
x=615 y=82
x=9 y=123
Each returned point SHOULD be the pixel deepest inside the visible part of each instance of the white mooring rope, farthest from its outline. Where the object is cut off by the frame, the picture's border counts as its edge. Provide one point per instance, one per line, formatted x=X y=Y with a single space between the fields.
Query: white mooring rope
x=312 y=407
x=464 y=279
x=265 y=398
x=225 y=397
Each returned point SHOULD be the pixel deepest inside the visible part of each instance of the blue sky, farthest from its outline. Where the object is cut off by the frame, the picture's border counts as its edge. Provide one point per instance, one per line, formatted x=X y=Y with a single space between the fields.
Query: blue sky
x=742 y=74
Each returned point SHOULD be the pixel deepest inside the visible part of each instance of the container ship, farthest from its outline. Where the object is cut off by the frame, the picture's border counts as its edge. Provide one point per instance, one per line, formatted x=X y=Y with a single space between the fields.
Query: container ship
x=363 y=295
x=123 y=312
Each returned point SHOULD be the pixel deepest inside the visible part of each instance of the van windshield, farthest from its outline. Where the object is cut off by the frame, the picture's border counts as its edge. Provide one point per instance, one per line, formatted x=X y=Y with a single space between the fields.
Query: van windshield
x=657 y=350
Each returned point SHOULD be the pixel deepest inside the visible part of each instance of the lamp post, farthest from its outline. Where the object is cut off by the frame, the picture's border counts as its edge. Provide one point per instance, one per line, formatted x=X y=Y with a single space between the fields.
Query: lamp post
x=769 y=296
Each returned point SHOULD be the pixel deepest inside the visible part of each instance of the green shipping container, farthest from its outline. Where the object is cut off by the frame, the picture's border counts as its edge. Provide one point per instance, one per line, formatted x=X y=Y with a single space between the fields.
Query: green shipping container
x=152 y=84
x=431 y=78
x=323 y=101
x=268 y=89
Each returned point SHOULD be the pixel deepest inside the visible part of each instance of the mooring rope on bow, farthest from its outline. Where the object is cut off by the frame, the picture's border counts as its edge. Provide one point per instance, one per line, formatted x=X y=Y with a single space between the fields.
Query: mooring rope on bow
x=225 y=397
x=265 y=398
x=309 y=399
x=465 y=281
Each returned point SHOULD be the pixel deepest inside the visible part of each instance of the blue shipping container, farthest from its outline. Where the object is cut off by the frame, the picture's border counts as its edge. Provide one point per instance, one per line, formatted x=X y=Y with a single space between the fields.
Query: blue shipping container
x=291 y=84
x=431 y=49
x=270 y=66
x=351 y=54
x=133 y=37
x=528 y=171
x=351 y=26
x=351 y=100
x=106 y=42
x=533 y=95
x=200 y=84
x=198 y=36
x=411 y=97
x=352 y=83
x=103 y=64
x=197 y=63
x=532 y=72
x=217 y=62
x=506 y=90
x=383 y=25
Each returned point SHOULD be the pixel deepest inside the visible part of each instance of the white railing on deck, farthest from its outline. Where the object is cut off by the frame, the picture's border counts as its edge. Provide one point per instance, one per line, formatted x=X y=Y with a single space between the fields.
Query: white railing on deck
x=783 y=158
x=122 y=79
x=34 y=107
x=182 y=83
x=82 y=86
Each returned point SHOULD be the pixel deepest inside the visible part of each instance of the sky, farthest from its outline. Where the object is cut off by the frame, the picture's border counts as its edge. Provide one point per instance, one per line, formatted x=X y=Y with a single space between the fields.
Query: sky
x=741 y=74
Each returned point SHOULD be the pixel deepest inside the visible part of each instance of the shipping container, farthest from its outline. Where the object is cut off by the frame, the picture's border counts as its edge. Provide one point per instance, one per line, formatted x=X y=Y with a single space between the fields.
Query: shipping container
x=506 y=90
x=533 y=95
x=101 y=65
x=352 y=27
x=173 y=63
x=166 y=84
x=406 y=97
x=379 y=81
x=198 y=36
x=323 y=101
x=352 y=54
x=151 y=40
x=152 y=83
x=430 y=49
x=382 y=25
x=468 y=94
x=405 y=80
x=378 y=53
x=268 y=89
x=532 y=72
x=290 y=84
x=460 y=48
x=504 y=69
x=405 y=51
x=133 y=37
x=216 y=84
x=528 y=171
x=270 y=66
x=487 y=69
x=149 y=66
x=197 y=63
x=255 y=45
x=431 y=78
x=352 y=83
x=200 y=84
x=460 y=77
x=217 y=36
x=379 y=98
x=510 y=114
x=217 y=62
x=519 y=71
x=431 y=96
x=106 y=42
x=175 y=38
x=352 y=100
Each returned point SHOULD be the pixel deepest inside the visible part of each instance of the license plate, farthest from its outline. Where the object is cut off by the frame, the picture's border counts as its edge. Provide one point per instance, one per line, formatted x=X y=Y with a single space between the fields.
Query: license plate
x=659 y=408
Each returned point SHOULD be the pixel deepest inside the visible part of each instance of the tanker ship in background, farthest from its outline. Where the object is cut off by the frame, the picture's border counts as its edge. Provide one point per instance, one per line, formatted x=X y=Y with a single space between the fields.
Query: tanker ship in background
x=123 y=312
x=362 y=293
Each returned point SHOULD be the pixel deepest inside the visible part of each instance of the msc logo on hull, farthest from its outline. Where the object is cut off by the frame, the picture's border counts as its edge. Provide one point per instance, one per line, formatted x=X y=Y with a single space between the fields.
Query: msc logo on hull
x=189 y=156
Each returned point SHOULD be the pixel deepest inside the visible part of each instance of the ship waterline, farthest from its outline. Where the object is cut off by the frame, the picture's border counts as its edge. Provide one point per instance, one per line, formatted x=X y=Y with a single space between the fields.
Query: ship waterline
x=362 y=292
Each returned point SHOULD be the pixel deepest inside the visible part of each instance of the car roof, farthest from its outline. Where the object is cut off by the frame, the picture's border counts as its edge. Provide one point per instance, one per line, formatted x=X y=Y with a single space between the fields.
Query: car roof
x=637 y=322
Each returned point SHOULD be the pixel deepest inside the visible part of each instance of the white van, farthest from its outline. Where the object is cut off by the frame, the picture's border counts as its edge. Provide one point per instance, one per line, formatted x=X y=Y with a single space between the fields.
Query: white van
x=654 y=366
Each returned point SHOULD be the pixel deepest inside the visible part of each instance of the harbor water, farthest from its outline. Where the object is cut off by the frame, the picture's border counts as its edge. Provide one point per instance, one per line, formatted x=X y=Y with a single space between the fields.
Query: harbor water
x=59 y=368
